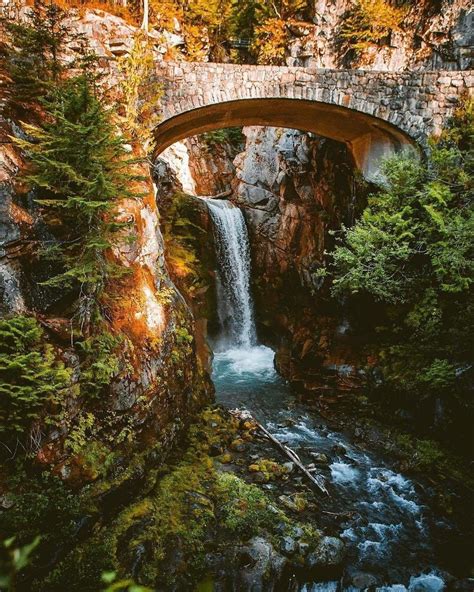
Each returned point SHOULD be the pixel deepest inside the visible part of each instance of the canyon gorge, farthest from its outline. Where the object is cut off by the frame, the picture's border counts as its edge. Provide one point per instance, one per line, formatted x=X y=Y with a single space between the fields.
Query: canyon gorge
x=220 y=408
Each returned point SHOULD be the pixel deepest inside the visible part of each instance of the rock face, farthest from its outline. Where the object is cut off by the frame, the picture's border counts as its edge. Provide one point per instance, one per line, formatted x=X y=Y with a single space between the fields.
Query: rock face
x=258 y=568
x=294 y=189
x=433 y=36
x=200 y=167
x=161 y=381
x=329 y=553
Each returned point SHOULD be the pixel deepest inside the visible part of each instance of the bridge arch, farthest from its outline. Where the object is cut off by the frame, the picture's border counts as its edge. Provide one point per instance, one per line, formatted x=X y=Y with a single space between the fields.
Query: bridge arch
x=374 y=113
x=369 y=139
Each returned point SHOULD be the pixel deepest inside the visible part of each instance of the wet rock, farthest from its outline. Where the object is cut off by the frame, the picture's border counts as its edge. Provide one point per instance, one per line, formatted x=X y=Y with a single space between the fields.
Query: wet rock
x=319 y=458
x=281 y=527
x=426 y=583
x=288 y=545
x=298 y=532
x=261 y=567
x=329 y=553
x=363 y=580
x=339 y=449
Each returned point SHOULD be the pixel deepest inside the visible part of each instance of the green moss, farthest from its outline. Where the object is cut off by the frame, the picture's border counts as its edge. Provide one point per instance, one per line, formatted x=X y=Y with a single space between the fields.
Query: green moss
x=180 y=514
x=244 y=509
x=269 y=469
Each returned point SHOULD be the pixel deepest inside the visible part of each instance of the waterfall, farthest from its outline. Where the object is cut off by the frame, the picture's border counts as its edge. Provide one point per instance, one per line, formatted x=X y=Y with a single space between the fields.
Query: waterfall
x=235 y=307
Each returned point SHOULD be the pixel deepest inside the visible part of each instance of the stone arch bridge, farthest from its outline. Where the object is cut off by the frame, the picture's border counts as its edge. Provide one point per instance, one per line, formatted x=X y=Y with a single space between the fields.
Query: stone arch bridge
x=374 y=113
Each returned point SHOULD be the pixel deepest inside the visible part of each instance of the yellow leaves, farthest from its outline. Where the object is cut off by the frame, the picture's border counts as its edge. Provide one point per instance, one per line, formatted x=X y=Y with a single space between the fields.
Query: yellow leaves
x=166 y=14
x=141 y=92
x=271 y=40
x=196 y=41
x=370 y=21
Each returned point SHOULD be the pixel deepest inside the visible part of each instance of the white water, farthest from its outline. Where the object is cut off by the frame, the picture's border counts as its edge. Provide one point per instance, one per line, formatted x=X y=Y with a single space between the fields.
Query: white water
x=386 y=534
x=234 y=307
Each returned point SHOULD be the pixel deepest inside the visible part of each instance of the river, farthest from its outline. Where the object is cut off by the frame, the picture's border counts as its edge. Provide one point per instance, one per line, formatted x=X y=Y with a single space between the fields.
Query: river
x=386 y=524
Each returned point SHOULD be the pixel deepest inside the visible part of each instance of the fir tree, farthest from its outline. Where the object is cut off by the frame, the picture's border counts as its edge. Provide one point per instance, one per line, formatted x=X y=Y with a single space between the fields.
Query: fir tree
x=79 y=168
x=31 y=55
x=30 y=377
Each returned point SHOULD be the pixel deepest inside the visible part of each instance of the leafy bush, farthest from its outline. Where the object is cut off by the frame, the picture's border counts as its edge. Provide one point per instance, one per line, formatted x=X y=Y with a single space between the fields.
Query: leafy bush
x=31 y=376
x=272 y=29
x=412 y=251
x=271 y=41
x=231 y=135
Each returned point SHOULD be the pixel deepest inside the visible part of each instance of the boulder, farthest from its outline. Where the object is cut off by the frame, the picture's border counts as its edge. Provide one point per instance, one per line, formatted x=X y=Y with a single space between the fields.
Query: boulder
x=261 y=567
x=288 y=545
x=329 y=553
x=363 y=580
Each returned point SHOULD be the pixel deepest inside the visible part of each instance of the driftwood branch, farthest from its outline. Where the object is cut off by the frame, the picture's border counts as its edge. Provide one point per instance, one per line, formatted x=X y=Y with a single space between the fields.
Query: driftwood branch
x=316 y=480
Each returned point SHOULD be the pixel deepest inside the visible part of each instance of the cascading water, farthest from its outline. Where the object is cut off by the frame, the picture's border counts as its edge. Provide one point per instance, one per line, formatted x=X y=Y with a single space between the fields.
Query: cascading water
x=387 y=532
x=235 y=309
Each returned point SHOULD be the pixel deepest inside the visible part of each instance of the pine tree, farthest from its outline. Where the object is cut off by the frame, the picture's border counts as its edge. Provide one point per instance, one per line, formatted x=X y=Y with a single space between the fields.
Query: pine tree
x=31 y=56
x=79 y=168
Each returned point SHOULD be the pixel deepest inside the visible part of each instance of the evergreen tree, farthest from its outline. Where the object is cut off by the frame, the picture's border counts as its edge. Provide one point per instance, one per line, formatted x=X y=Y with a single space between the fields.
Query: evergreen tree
x=30 y=378
x=79 y=167
x=31 y=54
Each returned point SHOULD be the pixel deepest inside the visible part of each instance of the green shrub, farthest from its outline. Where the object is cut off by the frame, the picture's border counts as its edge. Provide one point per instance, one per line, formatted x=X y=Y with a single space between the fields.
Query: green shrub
x=31 y=376
x=411 y=252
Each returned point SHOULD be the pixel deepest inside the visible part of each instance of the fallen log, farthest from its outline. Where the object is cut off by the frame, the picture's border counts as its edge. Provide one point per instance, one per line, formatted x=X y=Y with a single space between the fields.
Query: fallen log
x=316 y=480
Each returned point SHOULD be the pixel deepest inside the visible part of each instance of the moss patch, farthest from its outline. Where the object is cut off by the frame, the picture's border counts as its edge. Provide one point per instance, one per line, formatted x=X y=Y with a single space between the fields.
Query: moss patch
x=194 y=507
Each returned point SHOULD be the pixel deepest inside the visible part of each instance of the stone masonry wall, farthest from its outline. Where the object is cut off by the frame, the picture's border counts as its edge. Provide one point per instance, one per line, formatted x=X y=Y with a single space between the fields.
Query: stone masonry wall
x=415 y=102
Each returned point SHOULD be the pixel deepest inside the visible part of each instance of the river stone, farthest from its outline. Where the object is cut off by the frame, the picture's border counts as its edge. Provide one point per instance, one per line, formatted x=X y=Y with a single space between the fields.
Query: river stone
x=319 y=458
x=262 y=566
x=329 y=553
x=288 y=545
x=339 y=449
x=298 y=532
x=363 y=580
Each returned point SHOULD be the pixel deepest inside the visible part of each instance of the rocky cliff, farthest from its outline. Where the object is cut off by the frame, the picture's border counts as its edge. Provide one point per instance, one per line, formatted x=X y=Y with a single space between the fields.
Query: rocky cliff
x=295 y=189
x=159 y=381
x=432 y=35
